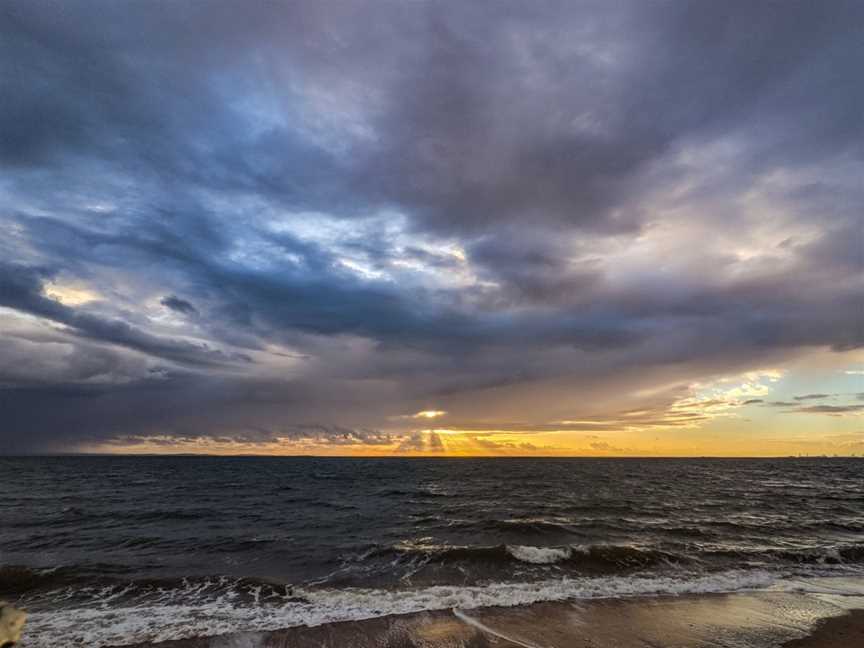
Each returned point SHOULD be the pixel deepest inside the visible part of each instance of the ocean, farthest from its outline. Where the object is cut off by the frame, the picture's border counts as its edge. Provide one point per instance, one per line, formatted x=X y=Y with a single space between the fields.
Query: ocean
x=113 y=550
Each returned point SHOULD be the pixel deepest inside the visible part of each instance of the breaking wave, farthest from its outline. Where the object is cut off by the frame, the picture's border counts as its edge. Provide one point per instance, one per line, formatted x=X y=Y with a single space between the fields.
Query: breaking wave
x=153 y=612
x=587 y=559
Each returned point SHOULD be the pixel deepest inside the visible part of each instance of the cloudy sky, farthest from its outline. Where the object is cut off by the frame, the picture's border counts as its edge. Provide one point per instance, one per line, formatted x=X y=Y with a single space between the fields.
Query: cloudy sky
x=432 y=227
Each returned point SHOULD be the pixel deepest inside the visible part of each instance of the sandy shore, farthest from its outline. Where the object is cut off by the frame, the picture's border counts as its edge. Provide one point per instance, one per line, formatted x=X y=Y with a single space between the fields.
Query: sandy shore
x=759 y=619
x=845 y=631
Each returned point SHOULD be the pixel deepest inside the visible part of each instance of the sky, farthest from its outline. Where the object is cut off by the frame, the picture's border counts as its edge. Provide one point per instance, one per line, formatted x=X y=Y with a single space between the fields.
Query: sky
x=424 y=228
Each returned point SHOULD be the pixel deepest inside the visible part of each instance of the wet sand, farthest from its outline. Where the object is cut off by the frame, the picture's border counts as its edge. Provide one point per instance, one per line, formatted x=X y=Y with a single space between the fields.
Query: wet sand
x=754 y=620
x=846 y=631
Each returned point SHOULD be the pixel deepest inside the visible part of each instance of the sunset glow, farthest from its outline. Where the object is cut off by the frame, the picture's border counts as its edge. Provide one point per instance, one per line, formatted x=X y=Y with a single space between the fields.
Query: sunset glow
x=585 y=231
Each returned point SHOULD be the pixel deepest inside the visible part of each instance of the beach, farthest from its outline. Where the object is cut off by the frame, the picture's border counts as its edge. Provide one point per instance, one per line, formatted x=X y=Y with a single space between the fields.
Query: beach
x=431 y=324
x=837 y=632
x=313 y=552
x=752 y=620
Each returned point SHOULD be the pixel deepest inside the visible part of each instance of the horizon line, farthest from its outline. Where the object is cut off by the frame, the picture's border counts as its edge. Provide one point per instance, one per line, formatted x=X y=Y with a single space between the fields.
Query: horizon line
x=417 y=456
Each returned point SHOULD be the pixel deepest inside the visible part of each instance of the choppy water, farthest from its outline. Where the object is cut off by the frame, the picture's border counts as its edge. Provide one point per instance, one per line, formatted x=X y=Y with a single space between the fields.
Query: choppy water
x=115 y=549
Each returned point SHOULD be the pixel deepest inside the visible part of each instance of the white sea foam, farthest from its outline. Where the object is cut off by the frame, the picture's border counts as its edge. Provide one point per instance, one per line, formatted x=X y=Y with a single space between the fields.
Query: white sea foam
x=845 y=586
x=539 y=555
x=175 y=615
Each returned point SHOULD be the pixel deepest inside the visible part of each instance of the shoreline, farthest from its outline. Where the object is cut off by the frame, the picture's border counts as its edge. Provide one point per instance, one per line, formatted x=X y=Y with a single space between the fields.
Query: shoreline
x=769 y=619
x=835 y=632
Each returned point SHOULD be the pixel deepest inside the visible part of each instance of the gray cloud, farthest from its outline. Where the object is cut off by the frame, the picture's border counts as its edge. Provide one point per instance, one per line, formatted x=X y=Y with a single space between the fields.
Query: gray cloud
x=179 y=305
x=360 y=208
x=20 y=289
x=831 y=409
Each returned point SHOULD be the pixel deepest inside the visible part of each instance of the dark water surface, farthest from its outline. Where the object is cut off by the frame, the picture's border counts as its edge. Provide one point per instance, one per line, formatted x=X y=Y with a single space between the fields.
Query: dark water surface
x=211 y=544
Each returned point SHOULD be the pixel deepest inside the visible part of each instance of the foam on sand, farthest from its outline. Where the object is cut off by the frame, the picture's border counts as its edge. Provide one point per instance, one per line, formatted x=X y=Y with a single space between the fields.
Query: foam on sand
x=176 y=614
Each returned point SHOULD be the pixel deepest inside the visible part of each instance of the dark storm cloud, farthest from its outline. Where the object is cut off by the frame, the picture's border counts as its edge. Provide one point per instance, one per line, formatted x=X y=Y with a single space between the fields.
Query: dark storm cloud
x=313 y=295
x=179 y=305
x=20 y=288
x=277 y=174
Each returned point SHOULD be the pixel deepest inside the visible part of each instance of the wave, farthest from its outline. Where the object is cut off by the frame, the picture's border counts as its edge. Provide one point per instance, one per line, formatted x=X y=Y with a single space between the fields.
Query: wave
x=563 y=526
x=16 y=580
x=829 y=555
x=74 y=581
x=493 y=562
x=413 y=492
x=422 y=563
x=52 y=587
x=592 y=558
x=539 y=555
x=167 y=515
x=527 y=526
x=211 y=607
